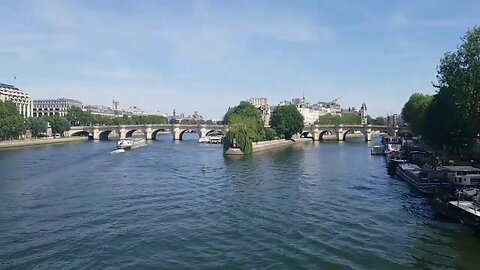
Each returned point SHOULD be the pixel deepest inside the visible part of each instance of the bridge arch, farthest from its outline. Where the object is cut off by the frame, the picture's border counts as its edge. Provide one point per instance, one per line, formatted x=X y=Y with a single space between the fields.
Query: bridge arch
x=156 y=131
x=306 y=134
x=103 y=136
x=130 y=133
x=191 y=130
x=351 y=131
x=215 y=132
x=325 y=132
x=81 y=133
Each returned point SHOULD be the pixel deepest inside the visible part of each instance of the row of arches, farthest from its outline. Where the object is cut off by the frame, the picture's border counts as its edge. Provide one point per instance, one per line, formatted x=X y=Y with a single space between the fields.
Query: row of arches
x=309 y=135
x=107 y=134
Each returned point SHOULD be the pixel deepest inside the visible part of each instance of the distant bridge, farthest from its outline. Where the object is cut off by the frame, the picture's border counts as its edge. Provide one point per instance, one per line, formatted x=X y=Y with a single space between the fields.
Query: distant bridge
x=316 y=132
x=149 y=131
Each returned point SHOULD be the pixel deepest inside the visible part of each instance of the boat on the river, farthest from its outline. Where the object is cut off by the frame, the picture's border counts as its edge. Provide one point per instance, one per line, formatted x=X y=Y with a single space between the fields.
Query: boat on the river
x=414 y=175
x=461 y=176
x=465 y=209
x=395 y=158
x=131 y=143
x=377 y=150
x=204 y=140
x=391 y=144
x=215 y=139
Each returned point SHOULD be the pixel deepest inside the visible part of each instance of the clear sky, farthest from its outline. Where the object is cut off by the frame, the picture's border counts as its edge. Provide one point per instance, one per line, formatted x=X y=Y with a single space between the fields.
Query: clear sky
x=208 y=55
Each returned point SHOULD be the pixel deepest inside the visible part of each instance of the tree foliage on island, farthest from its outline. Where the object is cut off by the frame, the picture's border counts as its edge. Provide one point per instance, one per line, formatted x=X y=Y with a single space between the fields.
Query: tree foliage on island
x=452 y=117
x=347 y=119
x=12 y=124
x=287 y=120
x=380 y=121
x=245 y=126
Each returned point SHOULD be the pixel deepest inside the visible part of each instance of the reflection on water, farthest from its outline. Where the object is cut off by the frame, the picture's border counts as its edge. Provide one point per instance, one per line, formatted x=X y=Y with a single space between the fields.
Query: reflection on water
x=309 y=206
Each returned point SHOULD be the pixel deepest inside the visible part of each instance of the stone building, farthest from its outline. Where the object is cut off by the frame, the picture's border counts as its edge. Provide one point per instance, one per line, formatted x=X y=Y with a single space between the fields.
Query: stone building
x=50 y=107
x=22 y=100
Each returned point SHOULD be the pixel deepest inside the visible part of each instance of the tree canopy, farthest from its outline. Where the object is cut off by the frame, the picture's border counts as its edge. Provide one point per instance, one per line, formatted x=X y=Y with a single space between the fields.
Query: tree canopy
x=347 y=119
x=413 y=111
x=58 y=124
x=452 y=116
x=247 y=114
x=36 y=126
x=12 y=124
x=287 y=120
x=245 y=126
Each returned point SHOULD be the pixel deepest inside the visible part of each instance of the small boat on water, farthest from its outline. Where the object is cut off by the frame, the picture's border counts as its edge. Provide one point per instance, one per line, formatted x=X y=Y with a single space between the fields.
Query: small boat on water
x=131 y=143
x=204 y=140
x=465 y=209
x=414 y=175
x=391 y=144
x=216 y=139
x=377 y=150
x=395 y=157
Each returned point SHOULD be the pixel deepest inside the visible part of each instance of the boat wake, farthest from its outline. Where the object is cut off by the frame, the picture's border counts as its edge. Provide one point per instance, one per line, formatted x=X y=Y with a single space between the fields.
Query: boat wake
x=117 y=151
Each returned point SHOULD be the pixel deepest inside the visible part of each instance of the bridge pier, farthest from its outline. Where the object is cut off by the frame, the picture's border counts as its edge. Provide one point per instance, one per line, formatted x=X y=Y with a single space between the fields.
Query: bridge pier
x=96 y=133
x=315 y=133
x=122 y=133
x=368 y=133
x=339 y=132
x=202 y=131
x=176 y=132
x=147 y=131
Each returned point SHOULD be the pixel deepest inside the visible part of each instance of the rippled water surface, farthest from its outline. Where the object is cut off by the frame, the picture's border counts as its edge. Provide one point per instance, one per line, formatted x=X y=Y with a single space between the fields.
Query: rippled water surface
x=312 y=206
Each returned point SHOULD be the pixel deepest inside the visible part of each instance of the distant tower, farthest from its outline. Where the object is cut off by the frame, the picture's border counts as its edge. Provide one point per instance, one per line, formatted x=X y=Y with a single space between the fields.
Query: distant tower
x=174 y=113
x=115 y=105
x=364 y=114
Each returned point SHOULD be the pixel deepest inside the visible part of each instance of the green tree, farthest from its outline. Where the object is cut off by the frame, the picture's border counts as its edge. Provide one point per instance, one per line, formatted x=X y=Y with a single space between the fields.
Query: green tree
x=287 y=120
x=36 y=126
x=347 y=119
x=458 y=78
x=58 y=124
x=238 y=136
x=251 y=116
x=413 y=112
x=12 y=124
x=270 y=134
x=380 y=121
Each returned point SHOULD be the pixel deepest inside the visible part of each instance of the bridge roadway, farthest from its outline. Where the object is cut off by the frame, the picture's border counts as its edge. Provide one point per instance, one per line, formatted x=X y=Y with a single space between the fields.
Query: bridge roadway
x=150 y=132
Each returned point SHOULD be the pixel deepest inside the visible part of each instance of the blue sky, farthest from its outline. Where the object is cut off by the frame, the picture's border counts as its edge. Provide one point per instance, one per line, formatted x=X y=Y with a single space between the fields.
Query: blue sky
x=208 y=55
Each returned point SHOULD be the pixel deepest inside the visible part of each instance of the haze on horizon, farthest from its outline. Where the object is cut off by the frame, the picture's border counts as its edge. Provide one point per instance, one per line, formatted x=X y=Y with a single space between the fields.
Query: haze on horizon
x=209 y=55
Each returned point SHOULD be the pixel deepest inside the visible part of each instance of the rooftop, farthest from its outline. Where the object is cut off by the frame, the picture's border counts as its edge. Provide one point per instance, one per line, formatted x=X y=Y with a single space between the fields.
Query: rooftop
x=460 y=168
x=8 y=86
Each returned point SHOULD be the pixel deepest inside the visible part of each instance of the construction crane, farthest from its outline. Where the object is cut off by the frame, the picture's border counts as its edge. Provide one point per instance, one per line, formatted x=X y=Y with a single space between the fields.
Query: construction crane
x=335 y=100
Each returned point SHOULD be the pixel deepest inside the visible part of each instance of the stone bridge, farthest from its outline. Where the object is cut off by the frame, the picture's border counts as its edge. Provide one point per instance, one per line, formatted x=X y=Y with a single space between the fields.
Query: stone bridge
x=150 y=131
x=316 y=132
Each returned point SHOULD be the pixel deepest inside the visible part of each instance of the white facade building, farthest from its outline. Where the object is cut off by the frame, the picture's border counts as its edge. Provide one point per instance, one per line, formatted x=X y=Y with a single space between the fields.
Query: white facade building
x=50 y=107
x=262 y=105
x=21 y=99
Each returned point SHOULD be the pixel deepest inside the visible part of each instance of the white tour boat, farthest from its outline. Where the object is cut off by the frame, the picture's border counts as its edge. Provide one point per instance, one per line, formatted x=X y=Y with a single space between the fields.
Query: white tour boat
x=131 y=143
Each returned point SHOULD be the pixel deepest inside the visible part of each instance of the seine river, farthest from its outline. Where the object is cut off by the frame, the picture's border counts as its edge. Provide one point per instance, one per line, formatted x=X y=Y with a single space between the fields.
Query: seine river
x=312 y=206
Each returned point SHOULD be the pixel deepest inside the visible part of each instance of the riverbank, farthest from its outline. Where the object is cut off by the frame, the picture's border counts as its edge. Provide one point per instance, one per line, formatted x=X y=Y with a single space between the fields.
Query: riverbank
x=36 y=142
x=267 y=145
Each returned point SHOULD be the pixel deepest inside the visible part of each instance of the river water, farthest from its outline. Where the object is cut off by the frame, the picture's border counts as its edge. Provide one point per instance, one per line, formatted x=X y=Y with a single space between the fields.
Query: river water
x=326 y=205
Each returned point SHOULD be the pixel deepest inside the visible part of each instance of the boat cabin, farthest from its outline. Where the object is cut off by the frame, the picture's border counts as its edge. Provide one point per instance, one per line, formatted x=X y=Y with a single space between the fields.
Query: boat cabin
x=462 y=175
